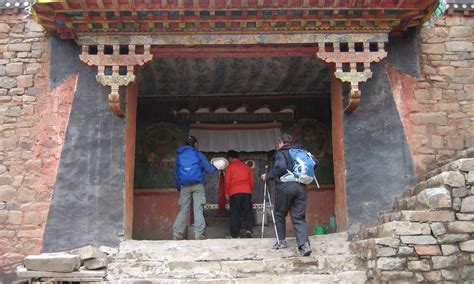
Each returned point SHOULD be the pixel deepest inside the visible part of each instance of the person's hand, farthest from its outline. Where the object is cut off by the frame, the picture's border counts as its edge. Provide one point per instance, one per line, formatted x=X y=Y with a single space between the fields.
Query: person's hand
x=263 y=177
x=227 y=197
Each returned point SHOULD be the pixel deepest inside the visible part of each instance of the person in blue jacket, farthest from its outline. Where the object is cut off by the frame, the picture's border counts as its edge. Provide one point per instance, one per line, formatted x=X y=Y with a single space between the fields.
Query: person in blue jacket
x=189 y=180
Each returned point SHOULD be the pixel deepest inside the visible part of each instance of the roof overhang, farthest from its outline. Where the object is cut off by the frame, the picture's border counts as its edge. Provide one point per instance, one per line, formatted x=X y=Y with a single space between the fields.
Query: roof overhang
x=73 y=18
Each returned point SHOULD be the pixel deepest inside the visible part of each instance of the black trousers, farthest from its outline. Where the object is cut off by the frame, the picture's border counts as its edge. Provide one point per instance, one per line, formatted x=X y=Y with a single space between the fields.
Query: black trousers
x=291 y=196
x=240 y=208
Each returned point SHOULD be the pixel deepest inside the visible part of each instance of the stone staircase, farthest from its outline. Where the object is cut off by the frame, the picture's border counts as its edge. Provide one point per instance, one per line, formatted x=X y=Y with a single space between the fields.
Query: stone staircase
x=236 y=261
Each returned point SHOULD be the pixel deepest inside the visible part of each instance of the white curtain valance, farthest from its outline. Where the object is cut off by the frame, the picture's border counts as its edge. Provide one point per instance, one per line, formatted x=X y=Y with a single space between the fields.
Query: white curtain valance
x=259 y=137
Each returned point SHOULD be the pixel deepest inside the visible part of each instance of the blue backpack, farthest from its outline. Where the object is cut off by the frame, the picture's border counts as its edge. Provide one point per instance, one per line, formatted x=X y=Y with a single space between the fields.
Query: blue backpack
x=189 y=167
x=302 y=168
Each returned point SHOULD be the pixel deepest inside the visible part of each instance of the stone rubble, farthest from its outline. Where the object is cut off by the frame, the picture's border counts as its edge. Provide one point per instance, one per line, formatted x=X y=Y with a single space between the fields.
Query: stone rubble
x=430 y=240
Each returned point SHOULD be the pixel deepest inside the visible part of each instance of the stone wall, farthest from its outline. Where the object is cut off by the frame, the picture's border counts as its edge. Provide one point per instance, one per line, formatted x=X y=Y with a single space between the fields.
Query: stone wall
x=32 y=125
x=438 y=107
x=429 y=234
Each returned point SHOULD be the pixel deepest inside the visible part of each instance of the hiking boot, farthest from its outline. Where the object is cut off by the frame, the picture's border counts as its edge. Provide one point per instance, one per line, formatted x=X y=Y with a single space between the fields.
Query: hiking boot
x=281 y=245
x=178 y=236
x=200 y=237
x=305 y=249
x=248 y=234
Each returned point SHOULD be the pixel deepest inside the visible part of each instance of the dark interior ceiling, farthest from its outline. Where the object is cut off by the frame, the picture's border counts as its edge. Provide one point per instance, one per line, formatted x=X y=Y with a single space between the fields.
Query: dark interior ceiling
x=233 y=76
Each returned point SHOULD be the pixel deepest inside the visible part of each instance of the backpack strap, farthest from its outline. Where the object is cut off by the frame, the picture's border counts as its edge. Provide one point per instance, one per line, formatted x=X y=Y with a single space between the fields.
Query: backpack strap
x=289 y=162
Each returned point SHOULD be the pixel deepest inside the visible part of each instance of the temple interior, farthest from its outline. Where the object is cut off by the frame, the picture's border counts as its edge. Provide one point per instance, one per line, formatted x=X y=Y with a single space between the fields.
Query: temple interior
x=240 y=104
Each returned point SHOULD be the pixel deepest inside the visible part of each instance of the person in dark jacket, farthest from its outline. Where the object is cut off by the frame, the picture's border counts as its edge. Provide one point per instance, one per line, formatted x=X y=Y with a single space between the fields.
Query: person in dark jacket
x=290 y=196
x=189 y=180
x=239 y=182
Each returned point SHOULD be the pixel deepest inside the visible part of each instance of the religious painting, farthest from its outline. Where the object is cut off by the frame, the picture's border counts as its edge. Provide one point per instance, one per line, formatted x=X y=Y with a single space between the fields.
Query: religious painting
x=156 y=155
x=315 y=137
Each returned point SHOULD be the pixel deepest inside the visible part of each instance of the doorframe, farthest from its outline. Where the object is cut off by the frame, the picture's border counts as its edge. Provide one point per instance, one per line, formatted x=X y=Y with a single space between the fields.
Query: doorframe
x=337 y=125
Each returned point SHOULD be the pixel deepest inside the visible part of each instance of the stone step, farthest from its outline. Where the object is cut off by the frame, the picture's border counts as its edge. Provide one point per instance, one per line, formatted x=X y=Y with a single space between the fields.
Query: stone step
x=343 y=277
x=314 y=264
x=221 y=232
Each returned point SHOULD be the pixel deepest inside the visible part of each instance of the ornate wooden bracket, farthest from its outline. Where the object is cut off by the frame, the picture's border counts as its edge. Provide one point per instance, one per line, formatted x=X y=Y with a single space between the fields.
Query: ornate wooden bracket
x=115 y=67
x=352 y=64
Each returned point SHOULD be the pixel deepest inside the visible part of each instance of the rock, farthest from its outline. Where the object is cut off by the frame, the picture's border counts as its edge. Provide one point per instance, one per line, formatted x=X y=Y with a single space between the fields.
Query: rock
x=19 y=47
x=461 y=227
x=396 y=276
x=449 y=249
x=467 y=272
x=438 y=228
x=467 y=204
x=96 y=263
x=427 y=250
x=386 y=251
x=25 y=81
x=419 y=265
x=456 y=46
x=108 y=250
x=427 y=216
x=89 y=252
x=7 y=193
x=440 y=262
x=433 y=276
x=390 y=242
x=451 y=178
x=418 y=240
x=435 y=198
x=467 y=246
x=470 y=178
x=14 y=69
x=53 y=262
x=452 y=238
x=33 y=27
x=403 y=228
x=7 y=82
x=465 y=217
x=459 y=192
x=405 y=251
x=391 y=263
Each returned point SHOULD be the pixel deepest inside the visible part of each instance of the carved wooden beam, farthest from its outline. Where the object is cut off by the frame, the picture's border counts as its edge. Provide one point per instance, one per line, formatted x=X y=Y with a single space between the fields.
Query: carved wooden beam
x=115 y=65
x=352 y=60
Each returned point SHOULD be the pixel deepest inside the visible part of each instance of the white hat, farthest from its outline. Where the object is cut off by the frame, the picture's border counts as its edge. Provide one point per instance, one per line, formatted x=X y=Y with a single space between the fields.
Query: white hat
x=220 y=163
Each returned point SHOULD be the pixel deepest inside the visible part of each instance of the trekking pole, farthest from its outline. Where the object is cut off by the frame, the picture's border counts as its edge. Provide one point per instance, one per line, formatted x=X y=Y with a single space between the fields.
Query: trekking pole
x=273 y=216
x=264 y=200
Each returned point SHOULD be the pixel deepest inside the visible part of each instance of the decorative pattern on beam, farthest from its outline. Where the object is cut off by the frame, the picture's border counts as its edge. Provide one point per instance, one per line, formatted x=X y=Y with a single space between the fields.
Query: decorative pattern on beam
x=352 y=60
x=115 y=66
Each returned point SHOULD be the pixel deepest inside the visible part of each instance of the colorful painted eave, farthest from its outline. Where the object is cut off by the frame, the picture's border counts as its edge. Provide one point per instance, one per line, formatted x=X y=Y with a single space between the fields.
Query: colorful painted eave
x=71 y=18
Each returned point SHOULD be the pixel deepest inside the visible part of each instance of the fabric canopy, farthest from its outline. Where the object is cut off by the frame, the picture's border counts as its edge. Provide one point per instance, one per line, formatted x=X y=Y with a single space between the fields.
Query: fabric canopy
x=260 y=137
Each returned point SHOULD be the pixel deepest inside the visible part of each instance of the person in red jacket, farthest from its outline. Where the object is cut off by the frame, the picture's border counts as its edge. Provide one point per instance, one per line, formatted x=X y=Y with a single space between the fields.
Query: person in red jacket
x=239 y=182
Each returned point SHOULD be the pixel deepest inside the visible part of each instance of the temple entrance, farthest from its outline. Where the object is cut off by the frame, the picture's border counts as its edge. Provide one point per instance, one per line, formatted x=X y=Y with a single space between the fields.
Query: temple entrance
x=240 y=104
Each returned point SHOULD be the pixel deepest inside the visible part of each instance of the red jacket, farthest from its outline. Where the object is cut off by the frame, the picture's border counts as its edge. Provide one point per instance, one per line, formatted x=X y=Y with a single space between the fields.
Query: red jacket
x=238 y=178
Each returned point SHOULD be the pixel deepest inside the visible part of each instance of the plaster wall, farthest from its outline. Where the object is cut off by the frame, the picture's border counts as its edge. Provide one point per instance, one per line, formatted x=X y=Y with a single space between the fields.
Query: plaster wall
x=87 y=205
x=378 y=162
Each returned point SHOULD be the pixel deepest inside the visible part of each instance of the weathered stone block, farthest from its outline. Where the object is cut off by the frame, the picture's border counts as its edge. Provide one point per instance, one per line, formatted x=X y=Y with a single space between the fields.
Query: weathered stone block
x=418 y=240
x=467 y=272
x=427 y=216
x=449 y=249
x=451 y=178
x=14 y=69
x=456 y=46
x=451 y=274
x=428 y=250
x=7 y=82
x=457 y=204
x=435 y=198
x=403 y=228
x=25 y=81
x=89 y=252
x=19 y=46
x=397 y=276
x=96 y=263
x=391 y=263
x=433 y=276
x=54 y=262
x=452 y=238
x=465 y=217
x=438 y=118
x=35 y=27
x=390 y=242
x=470 y=177
x=4 y=28
x=405 y=251
x=438 y=228
x=436 y=48
x=386 y=251
x=440 y=262
x=7 y=193
x=467 y=204
x=420 y=265
x=459 y=192
x=461 y=227
x=467 y=246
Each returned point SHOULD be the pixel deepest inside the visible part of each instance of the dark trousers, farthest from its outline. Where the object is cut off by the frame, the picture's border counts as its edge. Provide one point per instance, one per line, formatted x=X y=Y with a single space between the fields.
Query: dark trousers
x=291 y=196
x=240 y=208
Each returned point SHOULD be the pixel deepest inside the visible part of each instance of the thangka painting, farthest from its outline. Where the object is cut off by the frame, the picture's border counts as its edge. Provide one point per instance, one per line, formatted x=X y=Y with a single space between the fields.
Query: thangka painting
x=315 y=137
x=156 y=154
